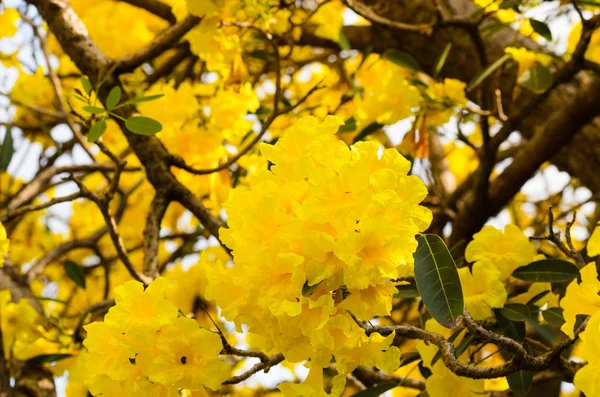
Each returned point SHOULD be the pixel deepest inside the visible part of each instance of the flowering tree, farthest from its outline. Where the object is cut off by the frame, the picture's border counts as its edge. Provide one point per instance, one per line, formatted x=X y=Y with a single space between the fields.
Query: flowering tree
x=305 y=198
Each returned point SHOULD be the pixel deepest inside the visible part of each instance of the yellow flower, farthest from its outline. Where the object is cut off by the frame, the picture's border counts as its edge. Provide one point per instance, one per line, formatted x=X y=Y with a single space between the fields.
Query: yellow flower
x=329 y=20
x=593 y=244
x=8 y=19
x=442 y=99
x=188 y=357
x=375 y=350
x=483 y=290
x=313 y=385
x=136 y=307
x=444 y=383
x=526 y=58
x=190 y=284
x=4 y=244
x=388 y=97
x=587 y=379
x=109 y=353
x=580 y=298
x=505 y=251
x=213 y=45
x=317 y=235
x=17 y=321
x=593 y=50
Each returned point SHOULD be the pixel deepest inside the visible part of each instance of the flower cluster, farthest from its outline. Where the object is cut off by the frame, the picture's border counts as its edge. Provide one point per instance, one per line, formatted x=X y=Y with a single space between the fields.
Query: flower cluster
x=143 y=347
x=315 y=239
x=495 y=255
x=581 y=299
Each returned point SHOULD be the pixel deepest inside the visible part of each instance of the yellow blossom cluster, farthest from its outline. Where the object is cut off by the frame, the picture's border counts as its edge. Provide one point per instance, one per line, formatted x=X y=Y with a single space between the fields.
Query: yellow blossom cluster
x=495 y=255
x=526 y=58
x=315 y=238
x=144 y=347
x=388 y=96
x=582 y=299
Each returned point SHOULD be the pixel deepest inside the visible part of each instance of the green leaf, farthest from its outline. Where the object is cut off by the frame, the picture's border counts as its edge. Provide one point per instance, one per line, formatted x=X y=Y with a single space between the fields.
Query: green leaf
x=516 y=312
x=406 y=291
x=113 y=98
x=554 y=316
x=464 y=344
x=439 y=63
x=142 y=99
x=94 y=110
x=96 y=131
x=75 y=273
x=537 y=78
x=376 y=390
x=513 y=329
x=142 y=125
x=403 y=59
x=349 y=125
x=457 y=249
x=343 y=41
x=520 y=382
x=589 y=3
x=407 y=358
x=487 y=72
x=537 y=297
x=47 y=358
x=438 y=281
x=307 y=290
x=365 y=132
x=547 y=271
x=87 y=86
x=8 y=150
x=541 y=28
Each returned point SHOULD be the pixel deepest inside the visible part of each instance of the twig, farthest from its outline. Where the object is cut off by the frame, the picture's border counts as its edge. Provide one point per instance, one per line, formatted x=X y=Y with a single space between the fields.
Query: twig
x=263 y=365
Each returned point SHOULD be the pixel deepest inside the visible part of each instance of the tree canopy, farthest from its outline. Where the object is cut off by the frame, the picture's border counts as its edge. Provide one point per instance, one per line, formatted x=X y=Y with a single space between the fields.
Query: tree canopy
x=299 y=198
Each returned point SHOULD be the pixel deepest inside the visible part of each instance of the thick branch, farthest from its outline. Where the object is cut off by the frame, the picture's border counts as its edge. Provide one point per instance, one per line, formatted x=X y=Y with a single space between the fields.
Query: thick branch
x=160 y=44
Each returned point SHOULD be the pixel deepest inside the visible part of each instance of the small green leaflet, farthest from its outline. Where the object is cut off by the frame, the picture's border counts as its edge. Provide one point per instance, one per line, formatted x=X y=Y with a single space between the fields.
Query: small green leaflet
x=349 y=125
x=520 y=382
x=376 y=390
x=487 y=72
x=96 y=131
x=75 y=273
x=513 y=329
x=438 y=281
x=368 y=130
x=406 y=291
x=142 y=99
x=47 y=358
x=343 y=41
x=516 y=312
x=541 y=28
x=403 y=59
x=547 y=271
x=142 y=125
x=554 y=316
x=8 y=150
x=307 y=290
x=533 y=301
x=94 y=110
x=439 y=63
x=537 y=78
x=87 y=86
x=113 y=98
